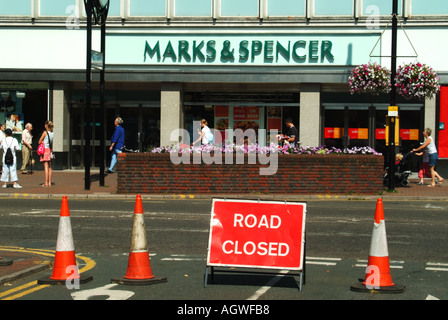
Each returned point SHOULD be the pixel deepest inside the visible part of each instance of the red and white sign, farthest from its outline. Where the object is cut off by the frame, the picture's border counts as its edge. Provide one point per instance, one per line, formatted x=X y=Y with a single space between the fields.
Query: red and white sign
x=257 y=234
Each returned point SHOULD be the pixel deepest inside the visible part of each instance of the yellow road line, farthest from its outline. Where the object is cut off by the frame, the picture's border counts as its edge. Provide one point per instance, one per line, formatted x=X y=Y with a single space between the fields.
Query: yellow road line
x=89 y=264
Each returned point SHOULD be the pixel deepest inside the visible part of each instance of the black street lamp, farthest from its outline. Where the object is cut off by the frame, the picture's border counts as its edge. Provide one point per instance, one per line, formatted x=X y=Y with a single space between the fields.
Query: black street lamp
x=393 y=98
x=96 y=11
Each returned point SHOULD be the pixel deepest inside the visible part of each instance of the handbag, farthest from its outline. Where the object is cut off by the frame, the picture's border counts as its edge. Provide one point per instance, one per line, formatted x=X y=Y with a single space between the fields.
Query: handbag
x=41 y=149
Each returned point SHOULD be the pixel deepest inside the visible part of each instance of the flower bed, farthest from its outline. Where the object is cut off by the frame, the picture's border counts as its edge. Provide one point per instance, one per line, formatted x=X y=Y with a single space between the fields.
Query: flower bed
x=300 y=171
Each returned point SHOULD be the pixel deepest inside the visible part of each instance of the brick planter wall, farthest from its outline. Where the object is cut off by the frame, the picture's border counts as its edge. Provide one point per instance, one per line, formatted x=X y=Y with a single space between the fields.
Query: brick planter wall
x=148 y=173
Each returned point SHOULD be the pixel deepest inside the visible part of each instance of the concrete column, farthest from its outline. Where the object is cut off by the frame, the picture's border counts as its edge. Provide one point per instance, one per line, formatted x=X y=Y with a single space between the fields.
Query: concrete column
x=309 y=128
x=61 y=118
x=171 y=112
x=430 y=115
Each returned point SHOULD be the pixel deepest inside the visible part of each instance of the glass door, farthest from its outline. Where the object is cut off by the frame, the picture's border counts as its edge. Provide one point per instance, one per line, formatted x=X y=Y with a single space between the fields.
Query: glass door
x=77 y=134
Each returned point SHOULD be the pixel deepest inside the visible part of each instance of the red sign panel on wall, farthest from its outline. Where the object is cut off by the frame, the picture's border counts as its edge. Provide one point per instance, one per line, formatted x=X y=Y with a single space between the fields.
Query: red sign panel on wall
x=257 y=234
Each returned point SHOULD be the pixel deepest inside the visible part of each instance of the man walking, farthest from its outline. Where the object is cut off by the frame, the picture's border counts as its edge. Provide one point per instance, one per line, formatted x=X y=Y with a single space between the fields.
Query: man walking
x=27 y=148
x=117 y=143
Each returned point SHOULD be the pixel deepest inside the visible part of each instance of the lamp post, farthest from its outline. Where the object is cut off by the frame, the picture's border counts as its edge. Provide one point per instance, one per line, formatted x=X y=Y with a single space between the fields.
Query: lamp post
x=393 y=98
x=96 y=11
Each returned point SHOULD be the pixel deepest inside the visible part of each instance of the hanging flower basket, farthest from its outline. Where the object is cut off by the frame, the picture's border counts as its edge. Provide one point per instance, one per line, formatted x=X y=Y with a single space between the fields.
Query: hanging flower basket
x=369 y=78
x=416 y=80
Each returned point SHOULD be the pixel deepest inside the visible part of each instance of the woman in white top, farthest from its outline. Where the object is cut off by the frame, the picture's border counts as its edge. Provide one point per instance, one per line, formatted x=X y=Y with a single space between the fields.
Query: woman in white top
x=205 y=134
x=432 y=154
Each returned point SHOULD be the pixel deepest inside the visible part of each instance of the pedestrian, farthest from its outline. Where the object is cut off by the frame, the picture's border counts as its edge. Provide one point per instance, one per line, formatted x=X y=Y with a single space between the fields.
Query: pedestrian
x=291 y=137
x=432 y=155
x=424 y=167
x=9 y=170
x=205 y=134
x=47 y=158
x=117 y=143
x=27 y=148
x=2 y=137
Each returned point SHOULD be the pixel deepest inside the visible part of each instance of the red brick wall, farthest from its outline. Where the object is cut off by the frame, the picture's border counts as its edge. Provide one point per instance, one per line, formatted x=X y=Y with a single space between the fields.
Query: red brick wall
x=297 y=174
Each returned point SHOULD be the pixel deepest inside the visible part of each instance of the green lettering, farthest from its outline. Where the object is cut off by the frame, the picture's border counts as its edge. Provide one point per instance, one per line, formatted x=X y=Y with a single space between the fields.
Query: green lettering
x=285 y=53
x=152 y=51
x=183 y=51
x=227 y=52
x=268 y=50
x=211 y=51
x=244 y=51
x=197 y=51
x=257 y=47
x=313 y=50
x=326 y=51
x=298 y=45
x=169 y=52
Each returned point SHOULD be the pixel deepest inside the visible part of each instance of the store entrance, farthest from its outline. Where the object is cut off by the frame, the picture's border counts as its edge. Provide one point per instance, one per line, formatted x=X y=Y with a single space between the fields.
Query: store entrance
x=141 y=123
x=77 y=133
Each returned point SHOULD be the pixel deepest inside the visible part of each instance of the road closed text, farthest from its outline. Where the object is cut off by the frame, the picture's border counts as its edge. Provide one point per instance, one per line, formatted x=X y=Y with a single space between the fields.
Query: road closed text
x=250 y=247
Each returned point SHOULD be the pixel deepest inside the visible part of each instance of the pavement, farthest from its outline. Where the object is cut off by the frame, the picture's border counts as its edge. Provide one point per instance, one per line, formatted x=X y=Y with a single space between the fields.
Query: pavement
x=26 y=261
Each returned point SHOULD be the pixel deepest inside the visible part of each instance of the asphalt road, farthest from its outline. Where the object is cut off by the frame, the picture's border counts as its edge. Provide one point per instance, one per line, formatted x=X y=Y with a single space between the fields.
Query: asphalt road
x=337 y=247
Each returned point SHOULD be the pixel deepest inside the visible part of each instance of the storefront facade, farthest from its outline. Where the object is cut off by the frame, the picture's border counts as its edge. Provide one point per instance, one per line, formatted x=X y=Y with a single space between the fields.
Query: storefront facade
x=248 y=65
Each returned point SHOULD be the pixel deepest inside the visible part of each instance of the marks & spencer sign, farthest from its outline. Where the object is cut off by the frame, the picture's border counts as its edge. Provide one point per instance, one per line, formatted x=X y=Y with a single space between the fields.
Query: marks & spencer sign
x=239 y=49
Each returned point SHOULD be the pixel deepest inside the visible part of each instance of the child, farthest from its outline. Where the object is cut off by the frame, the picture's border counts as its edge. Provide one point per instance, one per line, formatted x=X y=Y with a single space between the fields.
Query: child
x=424 y=169
x=10 y=143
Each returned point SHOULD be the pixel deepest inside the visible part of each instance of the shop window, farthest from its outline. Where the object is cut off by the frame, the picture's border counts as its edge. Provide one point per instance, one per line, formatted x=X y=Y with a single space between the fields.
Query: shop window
x=380 y=131
x=286 y=8
x=334 y=128
x=193 y=8
x=147 y=8
x=429 y=7
x=358 y=127
x=410 y=129
x=238 y=8
x=15 y=8
x=333 y=8
x=379 y=7
x=338 y=120
x=57 y=7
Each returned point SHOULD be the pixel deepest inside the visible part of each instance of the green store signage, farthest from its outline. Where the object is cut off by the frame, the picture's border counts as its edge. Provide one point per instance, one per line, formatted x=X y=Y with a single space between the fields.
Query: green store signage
x=268 y=51
x=239 y=49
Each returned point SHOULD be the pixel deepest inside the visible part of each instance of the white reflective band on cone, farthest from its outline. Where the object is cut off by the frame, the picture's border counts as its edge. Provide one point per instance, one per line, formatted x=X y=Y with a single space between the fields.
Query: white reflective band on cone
x=378 y=245
x=65 y=237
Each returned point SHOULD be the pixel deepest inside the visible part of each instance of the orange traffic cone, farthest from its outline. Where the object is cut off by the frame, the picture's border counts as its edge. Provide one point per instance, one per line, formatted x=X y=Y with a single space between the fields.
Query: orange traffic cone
x=64 y=267
x=378 y=277
x=139 y=267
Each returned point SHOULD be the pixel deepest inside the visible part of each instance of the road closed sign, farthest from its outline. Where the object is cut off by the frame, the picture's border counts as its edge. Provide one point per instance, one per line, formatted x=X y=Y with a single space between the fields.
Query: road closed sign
x=257 y=234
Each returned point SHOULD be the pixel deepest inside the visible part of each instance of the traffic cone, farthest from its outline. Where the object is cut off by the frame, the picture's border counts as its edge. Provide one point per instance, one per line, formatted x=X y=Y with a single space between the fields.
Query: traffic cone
x=378 y=277
x=139 y=267
x=5 y=262
x=64 y=266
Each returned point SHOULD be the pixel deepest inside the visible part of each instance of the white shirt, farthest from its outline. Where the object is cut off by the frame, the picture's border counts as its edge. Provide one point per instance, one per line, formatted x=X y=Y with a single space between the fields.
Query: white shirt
x=431 y=146
x=206 y=135
x=11 y=143
x=27 y=137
